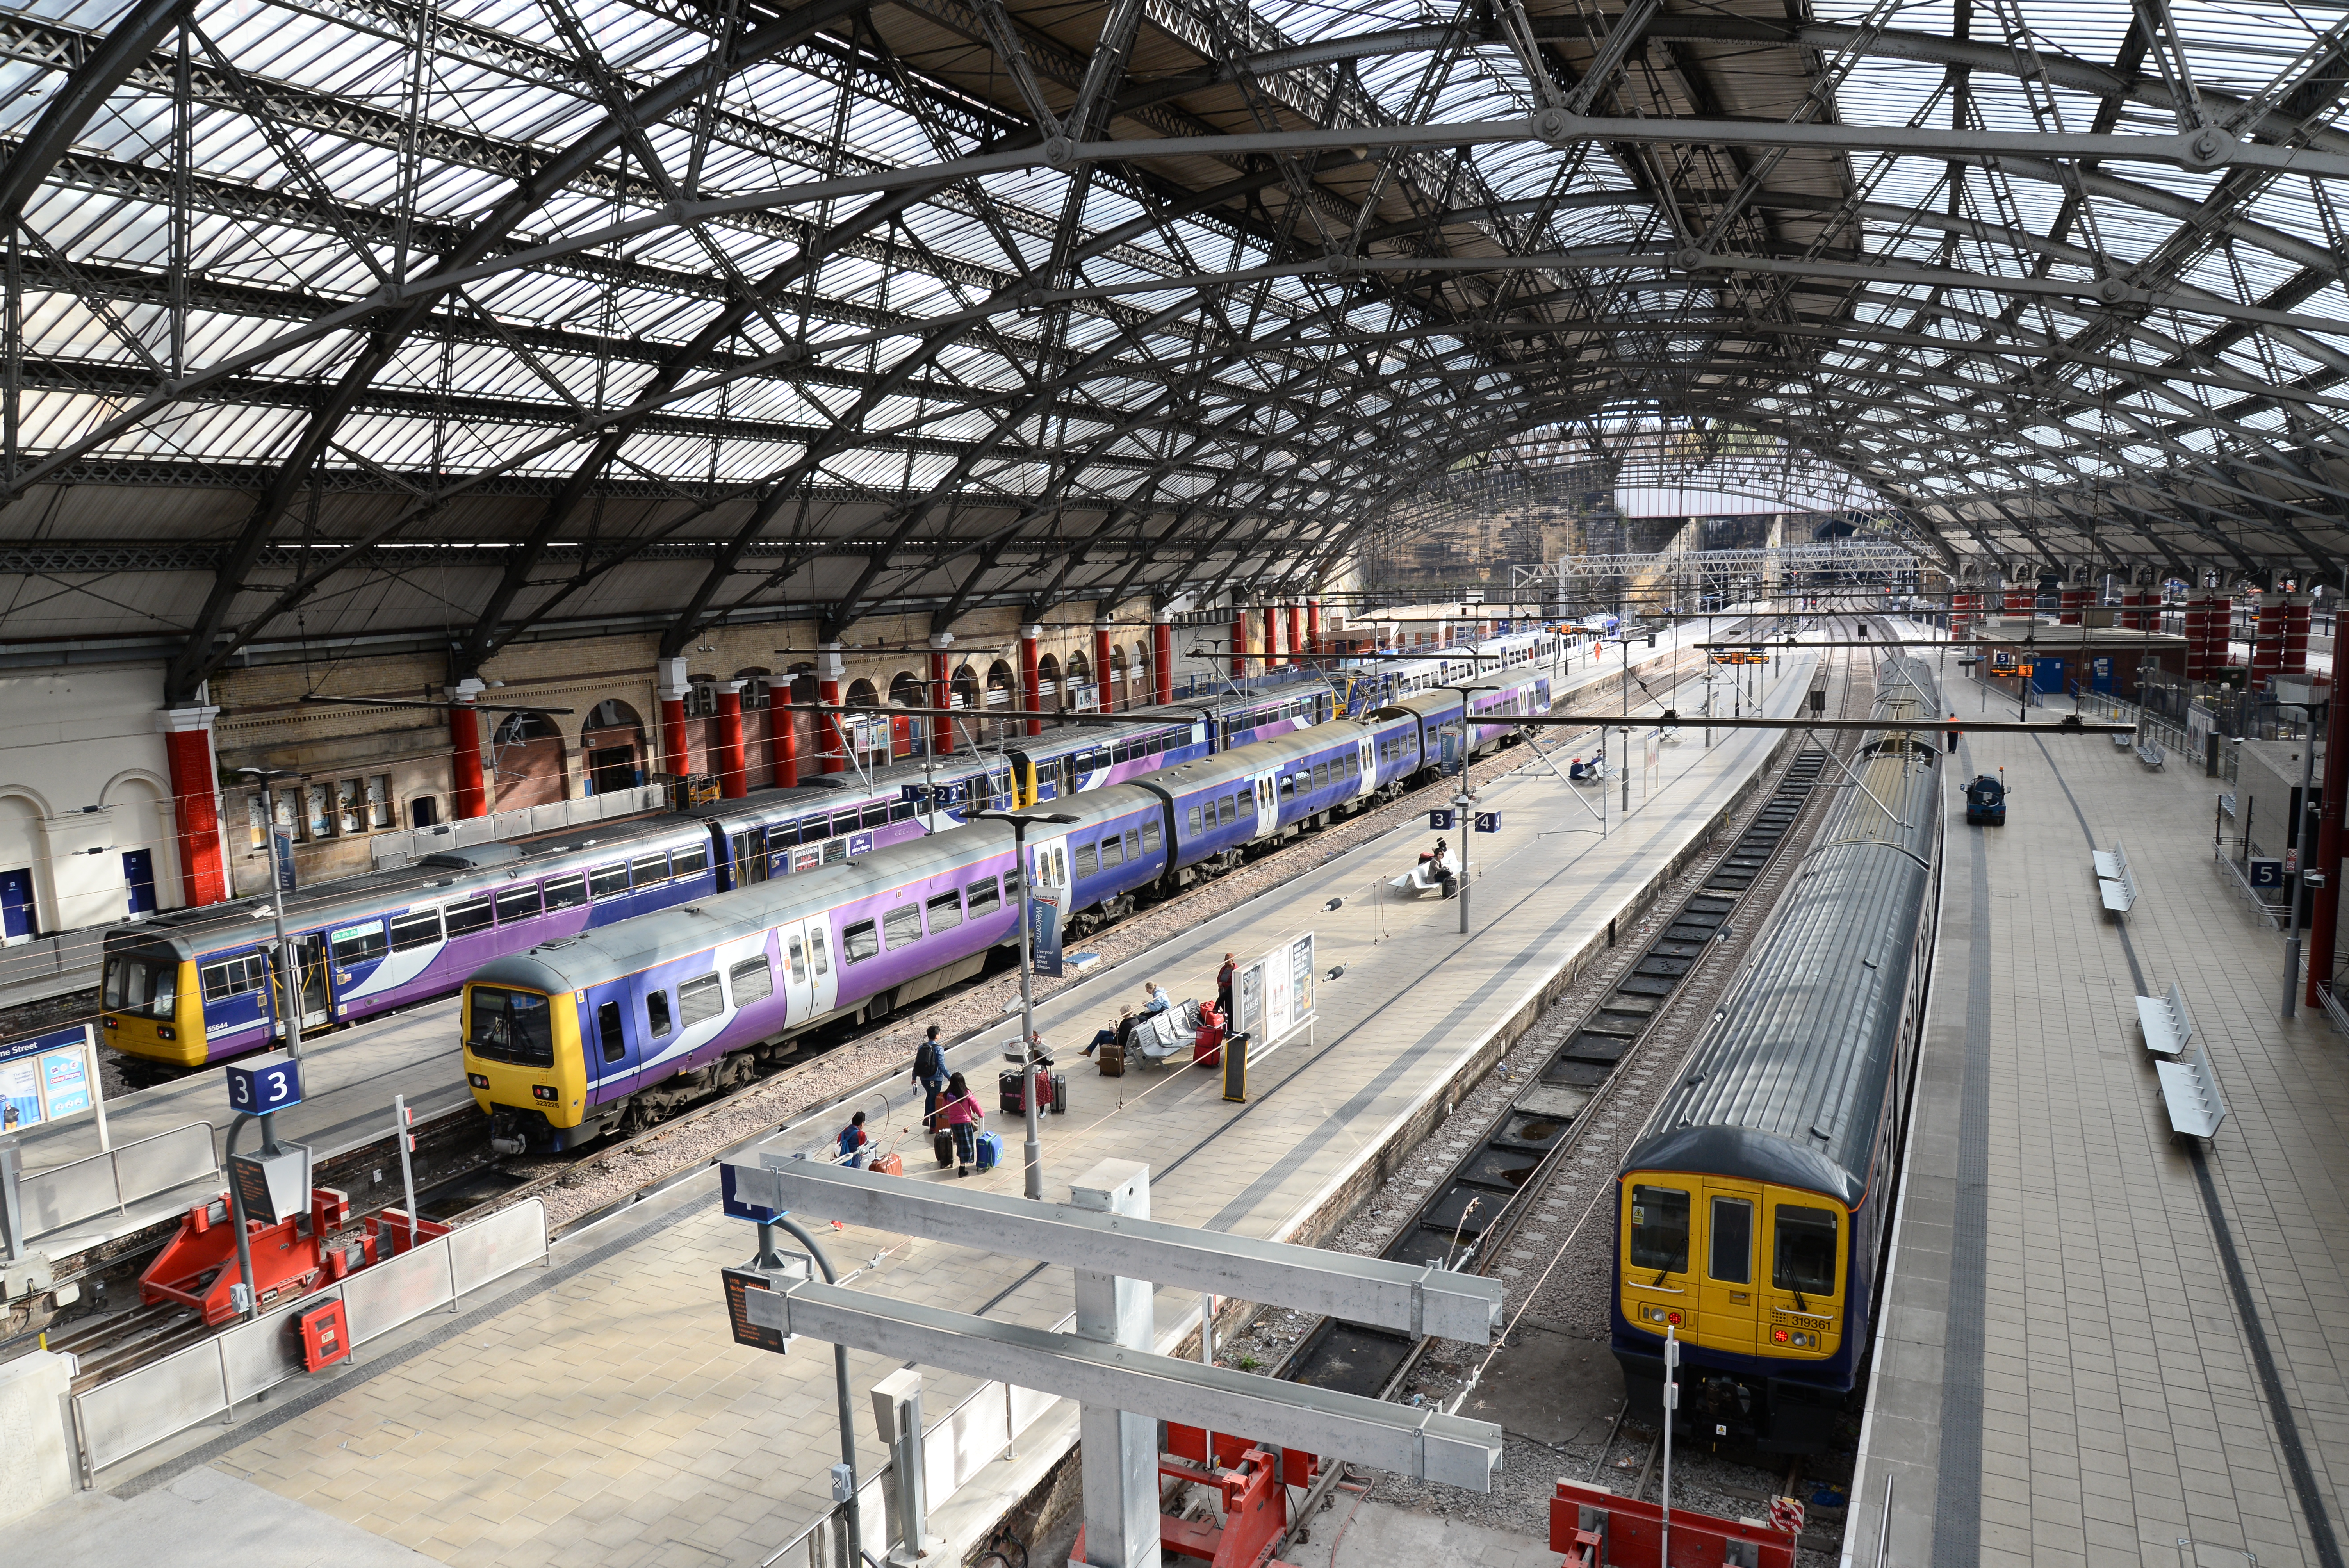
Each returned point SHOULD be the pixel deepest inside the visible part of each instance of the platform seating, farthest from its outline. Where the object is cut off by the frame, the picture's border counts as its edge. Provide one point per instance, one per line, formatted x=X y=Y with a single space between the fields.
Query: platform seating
x=2116 y=884
x=2110 y=863
x=2152 y=755
x=2123 y=740
x=2190 y=1091
x=2166 y=1028
x=1421 y=877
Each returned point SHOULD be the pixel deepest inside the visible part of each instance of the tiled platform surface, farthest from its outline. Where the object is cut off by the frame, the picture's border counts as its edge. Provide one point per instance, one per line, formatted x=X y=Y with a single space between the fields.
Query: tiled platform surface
x=598 y=1412
x=2069 y=1373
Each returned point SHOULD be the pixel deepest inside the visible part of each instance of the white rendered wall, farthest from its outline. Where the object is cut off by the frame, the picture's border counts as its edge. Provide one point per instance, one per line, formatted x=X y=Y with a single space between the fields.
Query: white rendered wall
x=83 y=768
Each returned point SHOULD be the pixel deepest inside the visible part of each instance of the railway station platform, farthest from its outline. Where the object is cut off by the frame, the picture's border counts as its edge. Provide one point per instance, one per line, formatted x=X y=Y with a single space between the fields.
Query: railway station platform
x=351 y=1075
x=2104 y=1344
x=599 y=1411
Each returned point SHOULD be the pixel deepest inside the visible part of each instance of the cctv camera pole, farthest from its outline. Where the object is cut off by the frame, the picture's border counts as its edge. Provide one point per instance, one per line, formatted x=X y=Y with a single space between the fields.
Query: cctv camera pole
x=1463 y=805
x=1033 y=1151
x=280 y=883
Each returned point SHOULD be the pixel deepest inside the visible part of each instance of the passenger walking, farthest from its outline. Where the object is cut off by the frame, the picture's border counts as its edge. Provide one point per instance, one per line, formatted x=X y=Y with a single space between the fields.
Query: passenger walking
x=961 y=1112
x=930 y=1075
x=1953 y=734
x=852 y=1139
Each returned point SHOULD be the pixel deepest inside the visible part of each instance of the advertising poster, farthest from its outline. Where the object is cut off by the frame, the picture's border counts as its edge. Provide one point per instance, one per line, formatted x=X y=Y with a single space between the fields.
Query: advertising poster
x=1044 y=931
x=44 y=1077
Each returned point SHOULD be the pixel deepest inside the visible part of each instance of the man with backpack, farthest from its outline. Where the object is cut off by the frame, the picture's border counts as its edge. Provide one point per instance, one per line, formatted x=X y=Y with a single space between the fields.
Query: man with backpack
x=930 y=1075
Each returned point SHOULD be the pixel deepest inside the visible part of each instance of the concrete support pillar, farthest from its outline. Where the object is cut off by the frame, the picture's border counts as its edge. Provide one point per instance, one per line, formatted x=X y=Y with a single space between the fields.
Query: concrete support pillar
x=1031 y=683
x=733 y=772
x=832 y=739
x=466 y=796
x=1100 y=668
x=195 y=802
x=1239 y=644
x=1119 y=1449
x=1162 y=658
x=1313 y=624
x=669 y=682
x=941 y=730
x=2072 y=601
x=2295 y=634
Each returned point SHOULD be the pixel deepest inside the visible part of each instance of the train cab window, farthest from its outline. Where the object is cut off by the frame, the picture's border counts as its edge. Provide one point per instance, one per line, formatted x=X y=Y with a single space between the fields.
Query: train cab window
x=1729 y=1241
x=657 y=1012
x=1805 y=1252
x=234 y=978
x=562 y=892
x=983 y=898
x=515 y=1026
x=1659 y=1229
x=649 y=870
x=468 y=915
x=946 y=912
x=362 y=944
x=1191 y=820
x=608 y=1029
x=798 y=958
x=608 y=882
x=518 y=903
x=688 y=863
x=699 y=999
x=753 y=981
x=902 y=926
x=1150 y=834
x=859 y=942
x=416 y=928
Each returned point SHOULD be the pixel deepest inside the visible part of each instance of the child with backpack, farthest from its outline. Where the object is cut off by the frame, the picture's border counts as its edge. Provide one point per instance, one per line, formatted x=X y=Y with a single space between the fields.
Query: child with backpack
x=852 y=1139
x=961 y=1111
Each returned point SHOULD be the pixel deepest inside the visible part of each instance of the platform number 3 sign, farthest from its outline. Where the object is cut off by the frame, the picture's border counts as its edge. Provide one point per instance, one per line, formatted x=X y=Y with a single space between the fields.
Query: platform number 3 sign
x=263 y=1084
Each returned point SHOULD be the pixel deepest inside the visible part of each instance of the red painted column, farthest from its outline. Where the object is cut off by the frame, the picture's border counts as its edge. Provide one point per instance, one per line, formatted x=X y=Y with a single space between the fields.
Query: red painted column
x=941 y=730
x=2072 y=601
x=1239 y=644
x=2325 y=918
x=787 y=745
x=1313 y=624
x=195 y=802
x=733 y=772
x=2019 y=601
x=466 y=796
x=1103 y=699
x=831 y=737
x=2295 y=634
x=2198 y=639
x=1032 y=684
x=2267 y=638
x=2219 y=629
x=1162 y=659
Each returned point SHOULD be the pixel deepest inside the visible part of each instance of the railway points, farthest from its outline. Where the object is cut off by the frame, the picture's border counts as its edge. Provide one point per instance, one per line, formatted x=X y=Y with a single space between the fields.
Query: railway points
x=666 y=1434
x=2105 y=1341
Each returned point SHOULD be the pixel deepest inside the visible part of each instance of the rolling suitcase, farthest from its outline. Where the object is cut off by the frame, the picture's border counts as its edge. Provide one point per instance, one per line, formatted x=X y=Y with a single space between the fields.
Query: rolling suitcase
x=1059 y=1094
x=990 y=1150
x=941 y=1145
x=888 y=1165
x=1111 y=1061
x=1007 y=1094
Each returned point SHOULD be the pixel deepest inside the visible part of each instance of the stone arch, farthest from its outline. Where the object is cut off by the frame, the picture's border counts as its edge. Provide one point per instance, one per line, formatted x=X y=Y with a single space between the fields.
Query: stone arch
x=907 y=690
x=1050 y=690
x=868 y=741
x=1081 y=674
x=528 y=763
x=1139 y=673
x=24 y=864
x=1002 y=691
x=612 y=747
x=145 y=823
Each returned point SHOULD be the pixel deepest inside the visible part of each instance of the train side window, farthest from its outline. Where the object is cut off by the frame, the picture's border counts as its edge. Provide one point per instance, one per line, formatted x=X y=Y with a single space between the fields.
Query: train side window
x=859 y=942
x=1088 y=861
x=361 y=944
x=1288 y=784
x=1191 y=820
x=822 y=959
x=983 y=898
x=815 y=830
x=1805 y=1253
x=607 y=1027
x=234 y=978
x=608 y=882
x=752 y=979
x=1133 y=845
x=687 y=862
x=902 y=926
x=842 y=824
x=468 y=915
x=416 y=928
x=650 y=871
x=877 y=816
x=1321 y=776
x=798 y=956
x=1729 y=1241
x=1011 y=885
x=1227 y=809
x=657 y=1012
x=945 y=913
x=562 y=892
x=699 y=999
x=518 y=903
x=901 y=812
x=1659 y=1229
x=1150 y=834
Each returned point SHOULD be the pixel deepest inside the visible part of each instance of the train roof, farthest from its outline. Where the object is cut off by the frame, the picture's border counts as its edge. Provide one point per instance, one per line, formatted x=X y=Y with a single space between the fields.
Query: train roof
x=1788 y=1084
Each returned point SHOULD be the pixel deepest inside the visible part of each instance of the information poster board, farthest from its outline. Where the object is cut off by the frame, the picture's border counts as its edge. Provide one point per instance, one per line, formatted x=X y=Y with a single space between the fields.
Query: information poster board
x=1273 y=996
x=1044 y=931
x=47 y=1076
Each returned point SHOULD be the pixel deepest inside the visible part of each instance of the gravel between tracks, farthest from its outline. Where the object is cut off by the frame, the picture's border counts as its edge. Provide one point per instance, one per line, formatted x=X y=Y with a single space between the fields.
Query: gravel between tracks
x=573 y=1187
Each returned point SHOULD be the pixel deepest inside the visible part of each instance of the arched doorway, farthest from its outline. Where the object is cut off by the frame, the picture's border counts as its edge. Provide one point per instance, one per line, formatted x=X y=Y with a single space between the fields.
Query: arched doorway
x=1080 y=679
x=963 y=692
x=906 y=691
x=613 y=743
x=1117 y=696
x=1049 y=694
x=1145 y=689
x=868 y=739
x=1000 y=684
x=527 y=762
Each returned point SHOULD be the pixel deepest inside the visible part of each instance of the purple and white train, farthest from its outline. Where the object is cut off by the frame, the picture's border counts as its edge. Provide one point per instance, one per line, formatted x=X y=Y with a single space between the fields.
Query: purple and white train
x=618 y=1025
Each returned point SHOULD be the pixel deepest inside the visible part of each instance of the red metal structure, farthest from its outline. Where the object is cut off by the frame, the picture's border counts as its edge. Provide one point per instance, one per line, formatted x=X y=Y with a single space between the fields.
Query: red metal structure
x=1254 y=1502
x=197 y=1266
x=2069 y=603
x=1591 y=1526
x=1162 y=661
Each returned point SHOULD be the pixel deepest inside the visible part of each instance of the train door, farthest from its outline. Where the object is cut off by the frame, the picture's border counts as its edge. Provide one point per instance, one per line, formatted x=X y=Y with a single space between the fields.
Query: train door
x=810 y=986
x=1050 y=881
x=1267 y=804
x=17 y=921
x=1366 y=755
x=1805 y=1249
x=310 y=955
x=1726 y=1292
x=1654 y=1265
x=611 y=1045
x=749 y=856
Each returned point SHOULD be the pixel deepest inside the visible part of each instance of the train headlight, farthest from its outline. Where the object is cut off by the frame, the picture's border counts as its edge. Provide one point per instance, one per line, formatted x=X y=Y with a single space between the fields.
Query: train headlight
x=547 y=1092
x=479 y=1080
x=165 y=1032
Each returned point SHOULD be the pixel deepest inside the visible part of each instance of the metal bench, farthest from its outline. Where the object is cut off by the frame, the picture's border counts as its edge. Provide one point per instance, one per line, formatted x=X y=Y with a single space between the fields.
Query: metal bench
x=2190 y=1091
x=2123 y=740
x=2167 y=1027
x=2152 y=755
x=2110 y=863
x=2119 y=894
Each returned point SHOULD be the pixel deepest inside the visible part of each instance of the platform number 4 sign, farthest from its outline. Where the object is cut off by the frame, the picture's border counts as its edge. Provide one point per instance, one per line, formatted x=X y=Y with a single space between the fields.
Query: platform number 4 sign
x=1439 y=821
x=1488 y=821
x=260 y=1085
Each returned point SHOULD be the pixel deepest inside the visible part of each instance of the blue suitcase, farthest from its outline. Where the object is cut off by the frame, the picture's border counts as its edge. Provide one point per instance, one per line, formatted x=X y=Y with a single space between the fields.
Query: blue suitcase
x=990 y=1150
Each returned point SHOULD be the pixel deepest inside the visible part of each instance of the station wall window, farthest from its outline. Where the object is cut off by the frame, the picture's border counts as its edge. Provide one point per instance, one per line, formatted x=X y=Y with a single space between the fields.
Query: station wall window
x=317 y=797
x=378 y=800
x=350 y=806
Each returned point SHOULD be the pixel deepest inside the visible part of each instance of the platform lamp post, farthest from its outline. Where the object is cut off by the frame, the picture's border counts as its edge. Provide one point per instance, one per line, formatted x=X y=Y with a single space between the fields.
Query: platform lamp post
x=281 y=885
x=1020 y=823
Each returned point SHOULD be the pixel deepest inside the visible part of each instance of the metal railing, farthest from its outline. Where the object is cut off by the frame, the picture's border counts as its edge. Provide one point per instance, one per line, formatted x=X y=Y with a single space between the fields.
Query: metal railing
x=2334 y=1011
x=105 y=1183
x=2230 y=854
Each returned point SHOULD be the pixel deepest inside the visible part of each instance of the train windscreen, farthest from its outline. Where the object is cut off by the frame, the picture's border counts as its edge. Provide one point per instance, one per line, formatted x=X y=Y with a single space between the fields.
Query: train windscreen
x=515 y=1026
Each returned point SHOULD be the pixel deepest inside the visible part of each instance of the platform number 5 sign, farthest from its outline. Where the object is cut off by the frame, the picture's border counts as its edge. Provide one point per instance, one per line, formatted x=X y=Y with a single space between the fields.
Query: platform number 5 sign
x=263 y=1084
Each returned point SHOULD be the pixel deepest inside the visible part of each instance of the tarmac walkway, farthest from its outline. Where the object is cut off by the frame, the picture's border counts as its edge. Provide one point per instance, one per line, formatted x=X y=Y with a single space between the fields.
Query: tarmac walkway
x=2105 y=1345
x=598 y=1411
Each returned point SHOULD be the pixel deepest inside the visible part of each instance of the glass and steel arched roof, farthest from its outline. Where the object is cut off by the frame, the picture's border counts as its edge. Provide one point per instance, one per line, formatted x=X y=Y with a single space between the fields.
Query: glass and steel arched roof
x=524 y=316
